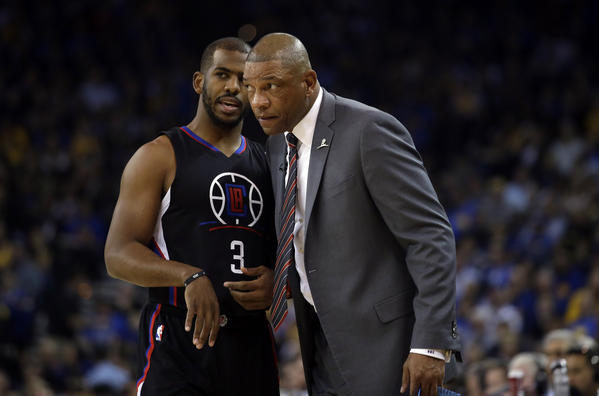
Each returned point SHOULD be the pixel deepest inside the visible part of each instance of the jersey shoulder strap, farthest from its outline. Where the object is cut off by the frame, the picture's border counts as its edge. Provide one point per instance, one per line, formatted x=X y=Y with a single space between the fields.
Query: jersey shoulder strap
x=180 y=145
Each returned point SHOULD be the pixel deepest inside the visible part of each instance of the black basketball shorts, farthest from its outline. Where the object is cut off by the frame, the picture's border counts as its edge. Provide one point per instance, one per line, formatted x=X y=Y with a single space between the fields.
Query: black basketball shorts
x=242 y=361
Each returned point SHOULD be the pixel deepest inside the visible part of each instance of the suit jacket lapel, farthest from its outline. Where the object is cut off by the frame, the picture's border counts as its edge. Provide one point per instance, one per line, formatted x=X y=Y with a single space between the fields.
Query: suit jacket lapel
x=318 y=156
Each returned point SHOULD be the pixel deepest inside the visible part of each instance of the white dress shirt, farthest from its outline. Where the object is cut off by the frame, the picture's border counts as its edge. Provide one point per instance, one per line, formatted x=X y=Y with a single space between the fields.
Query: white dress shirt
x=304 y=131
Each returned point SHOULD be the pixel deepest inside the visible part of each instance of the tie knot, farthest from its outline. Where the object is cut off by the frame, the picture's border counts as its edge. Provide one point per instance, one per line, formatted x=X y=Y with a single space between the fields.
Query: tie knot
x=291 y=139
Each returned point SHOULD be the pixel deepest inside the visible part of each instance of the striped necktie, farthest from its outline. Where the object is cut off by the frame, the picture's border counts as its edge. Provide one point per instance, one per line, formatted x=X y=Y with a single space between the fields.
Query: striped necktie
x=285 y=251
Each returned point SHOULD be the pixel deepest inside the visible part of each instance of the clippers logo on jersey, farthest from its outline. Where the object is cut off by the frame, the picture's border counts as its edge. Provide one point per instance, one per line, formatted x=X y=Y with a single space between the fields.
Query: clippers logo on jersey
x=235 y=200
x=159 y=331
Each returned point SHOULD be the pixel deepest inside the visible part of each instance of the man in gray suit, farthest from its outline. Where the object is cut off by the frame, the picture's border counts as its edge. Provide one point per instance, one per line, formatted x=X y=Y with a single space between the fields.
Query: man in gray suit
x=371 y=266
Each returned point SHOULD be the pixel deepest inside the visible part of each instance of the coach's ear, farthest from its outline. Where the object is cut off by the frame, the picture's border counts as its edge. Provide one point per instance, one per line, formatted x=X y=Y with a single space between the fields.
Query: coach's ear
x=198 y=82
x=310 y=81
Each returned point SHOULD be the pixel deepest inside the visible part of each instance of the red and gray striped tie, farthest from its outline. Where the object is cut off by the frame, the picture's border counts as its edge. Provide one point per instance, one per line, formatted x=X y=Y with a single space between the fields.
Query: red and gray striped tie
x=285 y=250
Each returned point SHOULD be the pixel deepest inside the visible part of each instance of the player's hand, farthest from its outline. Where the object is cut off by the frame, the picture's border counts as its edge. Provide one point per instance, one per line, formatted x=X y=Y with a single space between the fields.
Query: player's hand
x=422 y=372
x=202 y=303
x=253 y=294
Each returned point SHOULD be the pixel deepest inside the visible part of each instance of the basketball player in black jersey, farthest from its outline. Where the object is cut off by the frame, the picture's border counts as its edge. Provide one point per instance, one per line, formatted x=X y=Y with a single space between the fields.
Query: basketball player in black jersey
x=195 y=211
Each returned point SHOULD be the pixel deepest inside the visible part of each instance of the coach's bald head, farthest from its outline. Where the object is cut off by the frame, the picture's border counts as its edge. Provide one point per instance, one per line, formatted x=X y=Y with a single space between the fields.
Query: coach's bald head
x=284 y=47
x=281 y=84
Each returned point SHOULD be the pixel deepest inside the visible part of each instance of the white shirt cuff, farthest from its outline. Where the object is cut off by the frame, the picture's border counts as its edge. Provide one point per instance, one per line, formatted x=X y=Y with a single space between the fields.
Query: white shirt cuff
x=436 y=353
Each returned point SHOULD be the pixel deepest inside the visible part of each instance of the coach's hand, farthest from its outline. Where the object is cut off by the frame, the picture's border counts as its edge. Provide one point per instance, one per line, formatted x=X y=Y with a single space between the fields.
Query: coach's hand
x=254 y=294
x=202 y=303
x=424 y=373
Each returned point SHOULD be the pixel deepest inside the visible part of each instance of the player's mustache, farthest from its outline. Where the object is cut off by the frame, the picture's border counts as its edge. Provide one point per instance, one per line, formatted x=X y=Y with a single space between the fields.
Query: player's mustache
x=232 y=97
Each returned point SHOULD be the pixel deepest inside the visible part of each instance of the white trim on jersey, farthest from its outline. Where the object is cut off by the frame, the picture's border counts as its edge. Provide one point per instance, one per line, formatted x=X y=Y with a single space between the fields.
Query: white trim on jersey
x=158 y=231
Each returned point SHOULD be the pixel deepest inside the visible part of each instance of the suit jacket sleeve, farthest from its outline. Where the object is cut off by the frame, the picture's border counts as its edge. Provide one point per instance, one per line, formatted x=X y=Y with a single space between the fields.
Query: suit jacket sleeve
x=403 y=193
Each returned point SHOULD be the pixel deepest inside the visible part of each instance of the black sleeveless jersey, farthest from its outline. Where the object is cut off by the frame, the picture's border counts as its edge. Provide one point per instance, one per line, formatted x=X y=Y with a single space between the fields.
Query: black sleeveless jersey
x=217 y=215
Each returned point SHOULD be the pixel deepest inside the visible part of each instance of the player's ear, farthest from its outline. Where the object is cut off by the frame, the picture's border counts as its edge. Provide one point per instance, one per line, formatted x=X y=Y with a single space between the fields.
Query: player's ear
x=198 y=82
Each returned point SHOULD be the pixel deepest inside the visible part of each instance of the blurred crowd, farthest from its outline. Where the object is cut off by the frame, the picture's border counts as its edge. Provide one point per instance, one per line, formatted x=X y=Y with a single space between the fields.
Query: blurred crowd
x=502 y=100
x=566 y=364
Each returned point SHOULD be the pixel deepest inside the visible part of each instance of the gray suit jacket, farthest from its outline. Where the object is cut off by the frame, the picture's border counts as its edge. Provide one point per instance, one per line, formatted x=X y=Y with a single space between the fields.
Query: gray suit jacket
x=379 y=250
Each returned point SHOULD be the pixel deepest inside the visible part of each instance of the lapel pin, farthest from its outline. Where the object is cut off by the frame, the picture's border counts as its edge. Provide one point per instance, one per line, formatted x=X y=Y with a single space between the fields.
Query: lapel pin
x=323 y=143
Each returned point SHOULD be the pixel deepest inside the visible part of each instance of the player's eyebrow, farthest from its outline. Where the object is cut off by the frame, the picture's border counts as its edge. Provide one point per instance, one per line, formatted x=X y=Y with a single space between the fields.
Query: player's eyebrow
x=226 y=70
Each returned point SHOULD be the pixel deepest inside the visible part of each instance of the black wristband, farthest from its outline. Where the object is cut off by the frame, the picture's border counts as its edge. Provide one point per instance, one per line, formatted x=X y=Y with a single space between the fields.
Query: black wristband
x=195 y=276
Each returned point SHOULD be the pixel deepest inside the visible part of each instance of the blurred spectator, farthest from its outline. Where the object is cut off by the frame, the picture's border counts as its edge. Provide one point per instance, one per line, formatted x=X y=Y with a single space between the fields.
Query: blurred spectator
x=293 y=382
x=474 y=379
x=494 y=314
x=495 y=379
x=583 y=311
x=109 y=375
x=486 y=377
x=583 y=367
x=5 y=384
x=556 y=344
x=532 y=368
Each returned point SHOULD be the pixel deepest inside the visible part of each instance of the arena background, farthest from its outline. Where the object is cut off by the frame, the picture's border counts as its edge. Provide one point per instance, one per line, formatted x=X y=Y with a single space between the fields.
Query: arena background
x=501 y=97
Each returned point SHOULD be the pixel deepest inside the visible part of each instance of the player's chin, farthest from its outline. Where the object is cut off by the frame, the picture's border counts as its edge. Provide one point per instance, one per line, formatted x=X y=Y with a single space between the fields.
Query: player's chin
x=230 y=120
x=230 y=114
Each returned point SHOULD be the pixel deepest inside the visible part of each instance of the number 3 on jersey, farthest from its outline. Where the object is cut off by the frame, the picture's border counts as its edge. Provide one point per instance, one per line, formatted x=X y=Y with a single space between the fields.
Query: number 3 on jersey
x=239 y=257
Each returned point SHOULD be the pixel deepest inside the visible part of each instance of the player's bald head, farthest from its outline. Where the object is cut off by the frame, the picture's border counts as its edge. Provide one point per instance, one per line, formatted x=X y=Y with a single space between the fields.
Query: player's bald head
x=284 y=47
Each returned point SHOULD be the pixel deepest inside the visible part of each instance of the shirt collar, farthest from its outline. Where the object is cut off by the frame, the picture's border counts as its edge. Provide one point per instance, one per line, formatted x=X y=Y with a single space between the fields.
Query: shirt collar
x=304 y=130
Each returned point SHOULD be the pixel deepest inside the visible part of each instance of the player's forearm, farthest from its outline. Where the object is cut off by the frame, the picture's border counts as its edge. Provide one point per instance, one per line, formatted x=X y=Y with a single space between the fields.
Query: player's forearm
x=135 y=263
